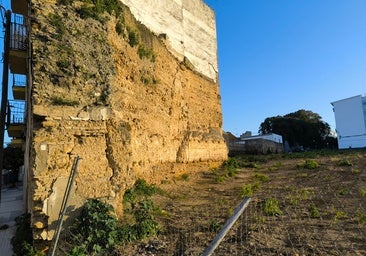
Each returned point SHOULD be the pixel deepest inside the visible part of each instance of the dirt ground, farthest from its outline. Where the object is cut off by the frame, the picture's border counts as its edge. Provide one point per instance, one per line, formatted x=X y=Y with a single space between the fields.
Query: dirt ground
x=321 y=210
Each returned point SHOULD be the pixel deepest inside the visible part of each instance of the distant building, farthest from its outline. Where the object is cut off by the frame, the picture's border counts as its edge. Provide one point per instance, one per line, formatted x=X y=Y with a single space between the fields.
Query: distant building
x=258 y=144
x=350 y=117
x=270 y=136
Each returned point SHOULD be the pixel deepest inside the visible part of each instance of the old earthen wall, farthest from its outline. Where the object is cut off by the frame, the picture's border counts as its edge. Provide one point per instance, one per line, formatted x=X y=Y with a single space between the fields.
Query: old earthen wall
x=127 y=115
x=190 y=28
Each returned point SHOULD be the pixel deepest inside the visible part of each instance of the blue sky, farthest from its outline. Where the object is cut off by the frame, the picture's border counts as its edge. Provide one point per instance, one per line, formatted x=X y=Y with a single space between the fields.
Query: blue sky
x=279 y=56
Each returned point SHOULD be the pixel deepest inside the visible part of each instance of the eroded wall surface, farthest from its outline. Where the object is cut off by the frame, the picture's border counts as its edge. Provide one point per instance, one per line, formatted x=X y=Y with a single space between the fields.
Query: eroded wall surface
x=190 y=28
x=127 y=115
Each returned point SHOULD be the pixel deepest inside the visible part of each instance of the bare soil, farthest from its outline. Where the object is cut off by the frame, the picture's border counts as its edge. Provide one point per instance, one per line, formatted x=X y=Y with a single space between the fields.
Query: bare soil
x=322 y=210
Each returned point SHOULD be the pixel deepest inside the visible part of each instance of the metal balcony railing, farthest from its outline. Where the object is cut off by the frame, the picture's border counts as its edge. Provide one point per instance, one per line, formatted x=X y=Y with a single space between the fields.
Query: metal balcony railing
x=18 y=33
x=16 y=112
x=19 y=80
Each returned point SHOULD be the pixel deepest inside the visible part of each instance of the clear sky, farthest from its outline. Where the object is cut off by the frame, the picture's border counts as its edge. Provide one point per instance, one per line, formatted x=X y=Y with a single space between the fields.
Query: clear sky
x=279 y=56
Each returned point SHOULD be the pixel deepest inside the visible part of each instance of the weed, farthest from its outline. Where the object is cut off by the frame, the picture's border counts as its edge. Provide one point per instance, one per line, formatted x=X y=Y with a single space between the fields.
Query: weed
x=343 y=191
x=356 y=171
x=247 y=190
x=145 y=80
x=147 y=53
x=57 y=22
x=345 y=163
x=310 y=164
x=231 y=163
x=340 y=215
x=361 y=218
x=304 y=193
x=363 y=192
x=313 y=211
x=261 y=177
x=220 y=179
x=96 y=8
x=63 y=64
x=185 y=176
x=289 y=188
x=214 y=225
x=119 y=27
x=271 y=207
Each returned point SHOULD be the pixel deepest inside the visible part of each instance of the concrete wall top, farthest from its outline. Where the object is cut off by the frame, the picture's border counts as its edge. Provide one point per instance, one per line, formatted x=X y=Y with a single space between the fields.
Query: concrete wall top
x=190 y=28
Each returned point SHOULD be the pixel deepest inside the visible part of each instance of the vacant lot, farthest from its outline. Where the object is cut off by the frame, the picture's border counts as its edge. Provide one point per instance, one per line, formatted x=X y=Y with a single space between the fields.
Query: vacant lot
x=311 y=203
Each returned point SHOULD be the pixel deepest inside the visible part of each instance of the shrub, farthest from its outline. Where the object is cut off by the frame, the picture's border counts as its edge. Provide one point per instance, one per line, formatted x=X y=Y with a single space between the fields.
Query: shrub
x=147 y=53
x=23 y=239
x=144 y=222
x=119 y=28
x=95 y=230
x=133 y=38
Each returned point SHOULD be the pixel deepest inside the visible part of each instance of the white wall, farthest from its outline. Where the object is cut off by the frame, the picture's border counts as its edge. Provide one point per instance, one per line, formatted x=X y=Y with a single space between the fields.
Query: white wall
x=350 y=122
x=189 y=25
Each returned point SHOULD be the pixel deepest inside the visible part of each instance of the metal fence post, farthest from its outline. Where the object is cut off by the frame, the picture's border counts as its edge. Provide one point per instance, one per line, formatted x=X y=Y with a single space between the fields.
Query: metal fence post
x=228 y=224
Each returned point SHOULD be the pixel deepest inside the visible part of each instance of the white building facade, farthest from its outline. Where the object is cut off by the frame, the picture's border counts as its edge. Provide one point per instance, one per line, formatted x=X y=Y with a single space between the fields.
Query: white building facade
x=350 y=118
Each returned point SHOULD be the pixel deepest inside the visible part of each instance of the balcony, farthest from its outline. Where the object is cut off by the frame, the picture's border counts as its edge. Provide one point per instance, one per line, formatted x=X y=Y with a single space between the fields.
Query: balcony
x=17 y=143
x=18 y=45
x=19 y=84
x=15 y=121
x=19 y=6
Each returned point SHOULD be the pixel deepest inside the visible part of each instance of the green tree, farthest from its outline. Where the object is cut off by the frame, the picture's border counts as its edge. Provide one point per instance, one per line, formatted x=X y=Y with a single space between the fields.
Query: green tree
x=300 y=128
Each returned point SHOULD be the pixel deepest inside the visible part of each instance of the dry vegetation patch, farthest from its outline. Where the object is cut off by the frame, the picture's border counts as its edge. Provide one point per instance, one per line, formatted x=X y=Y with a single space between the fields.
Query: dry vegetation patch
x=295 y=209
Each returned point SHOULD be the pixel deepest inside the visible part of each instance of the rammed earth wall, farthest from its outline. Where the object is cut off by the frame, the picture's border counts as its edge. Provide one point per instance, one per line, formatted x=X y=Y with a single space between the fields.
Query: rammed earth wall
x=129 y=108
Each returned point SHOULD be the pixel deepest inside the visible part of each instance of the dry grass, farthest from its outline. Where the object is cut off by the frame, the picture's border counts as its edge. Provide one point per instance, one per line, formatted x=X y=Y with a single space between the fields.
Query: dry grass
x=321 y=211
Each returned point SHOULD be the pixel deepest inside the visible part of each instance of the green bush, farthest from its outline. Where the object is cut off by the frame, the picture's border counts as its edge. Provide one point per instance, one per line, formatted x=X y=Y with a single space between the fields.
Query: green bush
x=95 y=230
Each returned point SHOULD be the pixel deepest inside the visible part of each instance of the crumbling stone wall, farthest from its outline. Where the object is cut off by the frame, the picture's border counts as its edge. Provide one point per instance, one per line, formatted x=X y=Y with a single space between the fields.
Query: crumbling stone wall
x=127 y=113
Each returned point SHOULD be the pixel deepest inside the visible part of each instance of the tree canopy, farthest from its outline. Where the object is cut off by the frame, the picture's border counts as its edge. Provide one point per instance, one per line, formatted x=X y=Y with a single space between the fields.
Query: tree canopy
x=301 y=128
